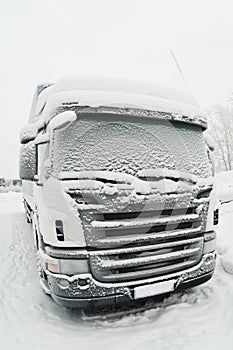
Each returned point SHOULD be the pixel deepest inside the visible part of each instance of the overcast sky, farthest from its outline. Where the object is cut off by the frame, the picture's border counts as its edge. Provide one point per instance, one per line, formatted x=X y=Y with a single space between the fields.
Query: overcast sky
x=48 y=39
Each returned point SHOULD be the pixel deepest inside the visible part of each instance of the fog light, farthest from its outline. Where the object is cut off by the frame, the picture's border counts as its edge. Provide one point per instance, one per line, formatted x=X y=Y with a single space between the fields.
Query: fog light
x=64 y=284
x=82 y=283
x=209 y=246
x=209 y=259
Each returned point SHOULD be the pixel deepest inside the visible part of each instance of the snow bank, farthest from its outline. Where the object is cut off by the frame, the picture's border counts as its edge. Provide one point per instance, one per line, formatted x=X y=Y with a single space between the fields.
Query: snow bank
x=227 y=262
x=11 y=188
x=225 y=186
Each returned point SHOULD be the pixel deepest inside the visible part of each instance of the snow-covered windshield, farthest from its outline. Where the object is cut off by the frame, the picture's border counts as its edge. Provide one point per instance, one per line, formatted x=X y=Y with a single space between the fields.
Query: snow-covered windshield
x=128 y=145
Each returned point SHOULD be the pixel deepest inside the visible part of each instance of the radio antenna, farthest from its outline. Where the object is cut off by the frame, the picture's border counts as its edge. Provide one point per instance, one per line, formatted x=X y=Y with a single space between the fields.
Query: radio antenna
x=180 y=71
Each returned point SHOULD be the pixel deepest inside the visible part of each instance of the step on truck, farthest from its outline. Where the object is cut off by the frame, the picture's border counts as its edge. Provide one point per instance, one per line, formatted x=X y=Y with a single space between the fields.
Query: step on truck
x=118 y=185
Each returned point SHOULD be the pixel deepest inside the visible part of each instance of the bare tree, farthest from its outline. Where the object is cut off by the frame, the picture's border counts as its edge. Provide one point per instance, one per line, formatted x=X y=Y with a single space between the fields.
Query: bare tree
x=221 y=130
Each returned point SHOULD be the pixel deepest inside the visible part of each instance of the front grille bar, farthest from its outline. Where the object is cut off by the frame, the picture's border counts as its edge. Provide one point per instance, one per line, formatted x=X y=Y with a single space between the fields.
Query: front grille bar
x=147 y=237
x=138 y=249
x=148 y=260
x=139 y=243
x=147 y=273
x=143 y=222
x=143 y=263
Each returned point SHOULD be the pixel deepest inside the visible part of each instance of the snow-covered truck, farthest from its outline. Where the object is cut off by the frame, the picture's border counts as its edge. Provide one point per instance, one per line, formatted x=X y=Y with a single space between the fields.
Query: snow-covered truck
x=118 y=186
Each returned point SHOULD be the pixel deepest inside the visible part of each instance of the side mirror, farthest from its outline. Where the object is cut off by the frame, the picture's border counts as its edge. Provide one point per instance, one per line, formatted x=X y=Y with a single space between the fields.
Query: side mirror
x=28 y=161
x=61 y=120
x=28 y=133
x=210 y=142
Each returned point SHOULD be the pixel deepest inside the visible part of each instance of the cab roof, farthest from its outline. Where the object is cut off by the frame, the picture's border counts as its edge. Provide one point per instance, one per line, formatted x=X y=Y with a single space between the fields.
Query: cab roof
x=98 y=92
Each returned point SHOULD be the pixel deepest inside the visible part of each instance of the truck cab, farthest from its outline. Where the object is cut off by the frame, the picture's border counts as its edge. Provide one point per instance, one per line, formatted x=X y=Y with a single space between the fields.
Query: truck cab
x=118 y=185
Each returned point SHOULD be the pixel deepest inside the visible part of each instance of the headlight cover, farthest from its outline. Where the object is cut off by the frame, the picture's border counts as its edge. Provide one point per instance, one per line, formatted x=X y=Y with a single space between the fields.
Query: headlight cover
x=73 y=266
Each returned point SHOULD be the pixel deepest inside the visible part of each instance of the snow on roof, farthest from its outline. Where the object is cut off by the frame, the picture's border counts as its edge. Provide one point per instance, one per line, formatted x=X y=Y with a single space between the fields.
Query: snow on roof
x=105 y=92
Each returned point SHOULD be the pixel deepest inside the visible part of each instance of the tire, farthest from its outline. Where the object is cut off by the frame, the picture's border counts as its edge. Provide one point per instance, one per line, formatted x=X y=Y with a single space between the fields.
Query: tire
x=40 y=270
x=42 y=275
x=27 y=211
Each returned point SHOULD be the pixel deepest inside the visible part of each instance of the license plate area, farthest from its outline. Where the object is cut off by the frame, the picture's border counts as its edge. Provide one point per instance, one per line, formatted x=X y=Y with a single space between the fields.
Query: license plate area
x=150 y=290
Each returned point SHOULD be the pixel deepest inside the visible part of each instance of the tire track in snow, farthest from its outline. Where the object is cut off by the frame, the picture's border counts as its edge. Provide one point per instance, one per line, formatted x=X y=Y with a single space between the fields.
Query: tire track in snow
x=13 y=256
x=18 y=275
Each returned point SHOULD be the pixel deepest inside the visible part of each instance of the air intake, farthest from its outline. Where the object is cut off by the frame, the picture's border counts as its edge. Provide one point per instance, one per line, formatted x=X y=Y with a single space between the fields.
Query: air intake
x=59 y=230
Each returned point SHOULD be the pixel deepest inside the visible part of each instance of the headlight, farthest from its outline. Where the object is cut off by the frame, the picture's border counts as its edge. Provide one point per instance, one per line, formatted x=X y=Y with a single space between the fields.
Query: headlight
x=73 y=266
x=209 y=242
x=67 y=266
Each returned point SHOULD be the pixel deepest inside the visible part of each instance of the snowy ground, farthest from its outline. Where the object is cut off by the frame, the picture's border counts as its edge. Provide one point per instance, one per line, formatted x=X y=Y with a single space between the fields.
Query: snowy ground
x=200 y=318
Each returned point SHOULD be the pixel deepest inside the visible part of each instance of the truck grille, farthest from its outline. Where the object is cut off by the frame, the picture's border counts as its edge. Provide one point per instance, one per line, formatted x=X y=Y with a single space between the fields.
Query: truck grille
x=146 y=261
x=136 y=245
x=117 y=229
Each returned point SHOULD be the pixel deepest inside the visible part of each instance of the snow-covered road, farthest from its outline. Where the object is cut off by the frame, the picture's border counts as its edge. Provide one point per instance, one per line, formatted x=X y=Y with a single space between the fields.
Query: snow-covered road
x=200 y=318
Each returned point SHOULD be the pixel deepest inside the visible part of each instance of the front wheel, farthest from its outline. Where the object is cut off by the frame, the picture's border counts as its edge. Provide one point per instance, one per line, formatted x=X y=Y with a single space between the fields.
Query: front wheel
x=41 y=272
x=42 y=275
x=27 y=211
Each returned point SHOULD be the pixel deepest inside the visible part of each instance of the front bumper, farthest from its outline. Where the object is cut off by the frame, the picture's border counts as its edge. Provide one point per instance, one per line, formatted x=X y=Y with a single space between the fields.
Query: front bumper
x=119 y=300
x=96 y=294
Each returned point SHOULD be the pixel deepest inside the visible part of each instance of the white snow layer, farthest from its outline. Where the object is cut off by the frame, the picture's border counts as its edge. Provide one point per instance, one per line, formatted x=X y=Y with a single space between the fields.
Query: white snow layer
x=93 y=180
x=95 y=144
x=199 y=318
x=225 y=186
x=105 y=92
x=30 y=131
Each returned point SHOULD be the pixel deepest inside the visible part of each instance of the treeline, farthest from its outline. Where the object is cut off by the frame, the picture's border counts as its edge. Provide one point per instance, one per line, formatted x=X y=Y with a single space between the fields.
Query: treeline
x=220 y=121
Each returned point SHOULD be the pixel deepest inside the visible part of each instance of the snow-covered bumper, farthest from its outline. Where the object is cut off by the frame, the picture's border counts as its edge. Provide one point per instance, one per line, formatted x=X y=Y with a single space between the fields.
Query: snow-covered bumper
x=84 y=291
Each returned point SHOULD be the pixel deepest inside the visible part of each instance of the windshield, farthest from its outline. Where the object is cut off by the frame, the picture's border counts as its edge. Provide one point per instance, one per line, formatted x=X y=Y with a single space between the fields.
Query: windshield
x=128 y=145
